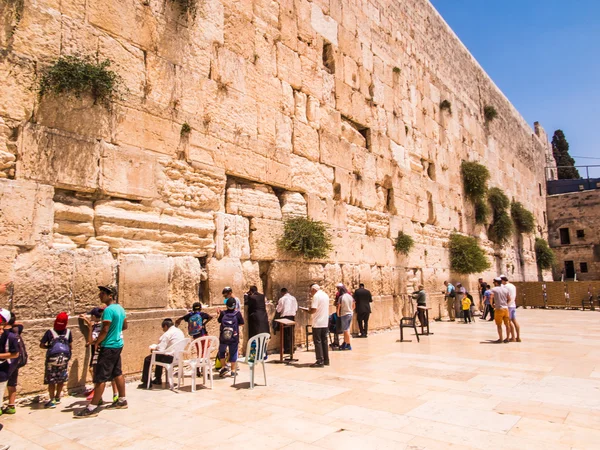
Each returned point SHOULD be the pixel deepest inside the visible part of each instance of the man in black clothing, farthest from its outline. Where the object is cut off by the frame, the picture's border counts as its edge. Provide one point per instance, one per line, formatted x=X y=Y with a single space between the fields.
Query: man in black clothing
x=421 y=297
x=363 y=299
x=258 y=321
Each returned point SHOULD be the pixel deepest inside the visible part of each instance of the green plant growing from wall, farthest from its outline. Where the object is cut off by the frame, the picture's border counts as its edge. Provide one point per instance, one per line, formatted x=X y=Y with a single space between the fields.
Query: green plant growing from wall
x=404 y=243
x=185 y=129
x=523 y=218
x=501 y=229
x=489 y=113
x=73 y=75
x=446 y=105
x=482 y=211
x=475 y=177
x=544 y=255
x=397 y=70
x=307 y=238
x=466 y=256
x=498 y=199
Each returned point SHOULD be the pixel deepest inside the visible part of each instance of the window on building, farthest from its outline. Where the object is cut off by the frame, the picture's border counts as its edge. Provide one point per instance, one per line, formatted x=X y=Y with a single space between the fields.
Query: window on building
x=565 y=239
x=580 y=234
x=583 y=267
x=569 y=269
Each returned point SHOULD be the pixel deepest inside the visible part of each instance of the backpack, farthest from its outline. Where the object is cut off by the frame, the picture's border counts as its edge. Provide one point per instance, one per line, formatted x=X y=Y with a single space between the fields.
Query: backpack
x=195 y=324
x=452 y=293
x=59 y=345
x=229 y=327
x=21 y=360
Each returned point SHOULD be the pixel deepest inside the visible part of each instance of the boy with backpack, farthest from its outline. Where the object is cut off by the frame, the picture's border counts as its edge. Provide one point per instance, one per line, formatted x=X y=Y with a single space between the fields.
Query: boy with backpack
x=57 y=342
x=196 y=320
x=229 y=336
x=16 y=329
x=9 y=350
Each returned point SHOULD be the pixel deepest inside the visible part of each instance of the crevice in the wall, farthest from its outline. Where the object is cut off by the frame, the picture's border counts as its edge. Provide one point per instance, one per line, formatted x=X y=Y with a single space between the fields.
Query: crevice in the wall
x=362 y=129
x=328 y=57
x=263 y=269
x=203 y=288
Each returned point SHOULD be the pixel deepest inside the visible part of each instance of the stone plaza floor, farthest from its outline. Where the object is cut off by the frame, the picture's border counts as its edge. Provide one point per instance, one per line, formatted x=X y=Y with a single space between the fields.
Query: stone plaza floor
x=451 y=390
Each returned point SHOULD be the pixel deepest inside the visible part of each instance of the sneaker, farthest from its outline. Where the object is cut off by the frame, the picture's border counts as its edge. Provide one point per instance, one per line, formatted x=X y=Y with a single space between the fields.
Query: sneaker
x=119 y=404
x=115 y=397
x=50 y=404
x=10 y=409
x=233 y=373
x=317 y=364
x=57 y=400
x=348 y=347
x=223 y=372
x=85 y=413
x=343 y=346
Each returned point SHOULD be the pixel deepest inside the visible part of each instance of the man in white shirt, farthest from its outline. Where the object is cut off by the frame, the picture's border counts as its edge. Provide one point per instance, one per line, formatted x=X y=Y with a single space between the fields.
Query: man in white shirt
x=500 y=298
x=171 y=335
x=319 y=309
x=512 y=308
x=287 y=308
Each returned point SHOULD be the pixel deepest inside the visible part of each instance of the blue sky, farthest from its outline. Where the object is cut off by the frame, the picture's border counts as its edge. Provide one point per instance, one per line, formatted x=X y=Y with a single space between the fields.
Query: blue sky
x=545 y=56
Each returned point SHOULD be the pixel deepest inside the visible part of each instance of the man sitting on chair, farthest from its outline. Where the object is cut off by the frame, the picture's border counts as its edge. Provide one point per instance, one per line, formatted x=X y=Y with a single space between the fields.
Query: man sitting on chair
x=170 y=336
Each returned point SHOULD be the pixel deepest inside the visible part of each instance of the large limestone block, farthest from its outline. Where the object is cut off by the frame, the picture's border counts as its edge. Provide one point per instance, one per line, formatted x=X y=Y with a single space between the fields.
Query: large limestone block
x=334 y=151
x=26 y=212
x=185 y=274
x=324 y=25
x=38 y=34
x=232 y=239
x=378 y=224
x=333 y=276
x=252 y=200
x=293 y=204
x=17 y=75
x=8 y=255
x=196 y=186
x=48 y=281
x=225 y=272
x=127 y=172
x=311 y=177
x=143 y=281
x=134 y=66
x=148 y=131
x=305 y=141
x=264 y=235
x=56 y=158
x=229 y=69
x=289 y=68
x=357 y=219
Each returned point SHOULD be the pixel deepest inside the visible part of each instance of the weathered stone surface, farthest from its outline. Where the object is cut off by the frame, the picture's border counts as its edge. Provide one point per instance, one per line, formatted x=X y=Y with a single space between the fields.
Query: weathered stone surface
x=293 y=204
x=26 y=212
x=305 y=141
x=264 y=235
x=324 y=25
x=127 y=172
x=185 y=275
x=144 y=281
x=222 y=273
x=252 y=200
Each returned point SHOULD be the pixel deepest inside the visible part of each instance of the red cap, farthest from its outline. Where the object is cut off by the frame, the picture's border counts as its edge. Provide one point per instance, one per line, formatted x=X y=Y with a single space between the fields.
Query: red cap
x=62 y=319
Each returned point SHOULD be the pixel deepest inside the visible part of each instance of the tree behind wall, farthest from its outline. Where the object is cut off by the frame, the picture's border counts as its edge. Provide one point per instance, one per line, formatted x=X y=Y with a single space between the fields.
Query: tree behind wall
x=560 y=150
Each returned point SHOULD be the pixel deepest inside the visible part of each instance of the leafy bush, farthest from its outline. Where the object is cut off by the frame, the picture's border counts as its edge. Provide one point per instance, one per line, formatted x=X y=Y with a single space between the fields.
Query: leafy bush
x=78 y=76
x=482 y=212
x=475 y=177
x=490 y=113
x=397 y=70
x=404 y=243
x=501 y=229
x=466 y=256
x=523 y=218
x=185 y=129
x=544 y=255
x=498 y=199
x=306 y=237
x=445 y=104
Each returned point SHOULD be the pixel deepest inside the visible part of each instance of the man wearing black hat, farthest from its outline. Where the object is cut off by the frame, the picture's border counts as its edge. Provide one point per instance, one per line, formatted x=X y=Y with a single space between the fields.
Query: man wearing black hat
x=363 y=299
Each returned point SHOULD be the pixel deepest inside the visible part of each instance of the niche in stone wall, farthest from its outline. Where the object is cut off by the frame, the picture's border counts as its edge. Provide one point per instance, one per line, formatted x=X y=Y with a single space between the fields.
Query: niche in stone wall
x=431 y=219
x=328 y=57
x=349 y=126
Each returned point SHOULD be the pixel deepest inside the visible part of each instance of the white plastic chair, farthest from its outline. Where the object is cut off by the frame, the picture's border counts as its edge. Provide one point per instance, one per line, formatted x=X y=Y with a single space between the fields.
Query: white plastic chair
x=176 y=351
x=203 y=346
x=262 y=342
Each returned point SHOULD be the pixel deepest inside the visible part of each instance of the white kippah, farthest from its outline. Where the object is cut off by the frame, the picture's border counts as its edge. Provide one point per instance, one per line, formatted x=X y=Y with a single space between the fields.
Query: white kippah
x=316 y=287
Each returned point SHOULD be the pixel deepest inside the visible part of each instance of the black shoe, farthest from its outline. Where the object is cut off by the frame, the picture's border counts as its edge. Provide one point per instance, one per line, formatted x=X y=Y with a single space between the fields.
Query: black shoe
x=327 y=363
x=85 y=413
x=119 y=404
x=144 y=386
x=157 y=382
x=317 y=364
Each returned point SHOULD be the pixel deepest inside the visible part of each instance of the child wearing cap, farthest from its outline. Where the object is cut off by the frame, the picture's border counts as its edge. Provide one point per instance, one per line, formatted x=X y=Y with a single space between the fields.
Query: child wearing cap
x=57 y=342
x=9 y=349
x=196 y=320
x=15 y=328
x=229 y=336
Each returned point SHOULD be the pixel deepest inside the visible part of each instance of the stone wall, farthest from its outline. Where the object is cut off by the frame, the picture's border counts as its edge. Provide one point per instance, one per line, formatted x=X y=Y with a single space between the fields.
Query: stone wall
x=325 y=109
x=578 y=212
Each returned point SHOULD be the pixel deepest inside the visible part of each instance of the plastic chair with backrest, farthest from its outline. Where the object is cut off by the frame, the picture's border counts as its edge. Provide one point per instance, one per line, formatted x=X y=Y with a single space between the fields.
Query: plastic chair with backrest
x=261 y=342
x=176 y=351
x=203 y=346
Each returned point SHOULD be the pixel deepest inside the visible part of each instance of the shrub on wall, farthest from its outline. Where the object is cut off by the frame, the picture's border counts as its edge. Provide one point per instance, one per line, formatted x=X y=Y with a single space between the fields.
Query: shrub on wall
x=77 y=76
x=482 y=212
x=185 y=129
x=501 y=229
x=404 y=243
x=466 y=256
x=446 y=105
x=490 y=113
x=523 y=218
x=475 y=177
x=306 y=238
x=544 y=254
x=187 y=6
x=498 y=199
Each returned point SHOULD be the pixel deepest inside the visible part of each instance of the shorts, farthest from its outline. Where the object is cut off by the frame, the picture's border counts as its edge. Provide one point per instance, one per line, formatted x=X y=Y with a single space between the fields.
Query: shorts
x=233 y=351
x=108 y=366
x=346 y=322
x=94 y=356
x=501 y=315
x=512 y=312
x=13 y=378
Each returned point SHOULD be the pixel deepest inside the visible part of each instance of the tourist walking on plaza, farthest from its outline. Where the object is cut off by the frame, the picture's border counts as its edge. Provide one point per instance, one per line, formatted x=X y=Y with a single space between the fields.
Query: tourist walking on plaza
x=57 y=342
x=487 y=305
x=421 y=297
x=512 y=307
x=258 y=321
x=363 y=300
x=480 y=291
x=319 y=309
x=461 y=293
x=171 y=335
x=450 y=294
x=287 y=307
x=345 y=311
x=110 y=341
x=500 y=298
